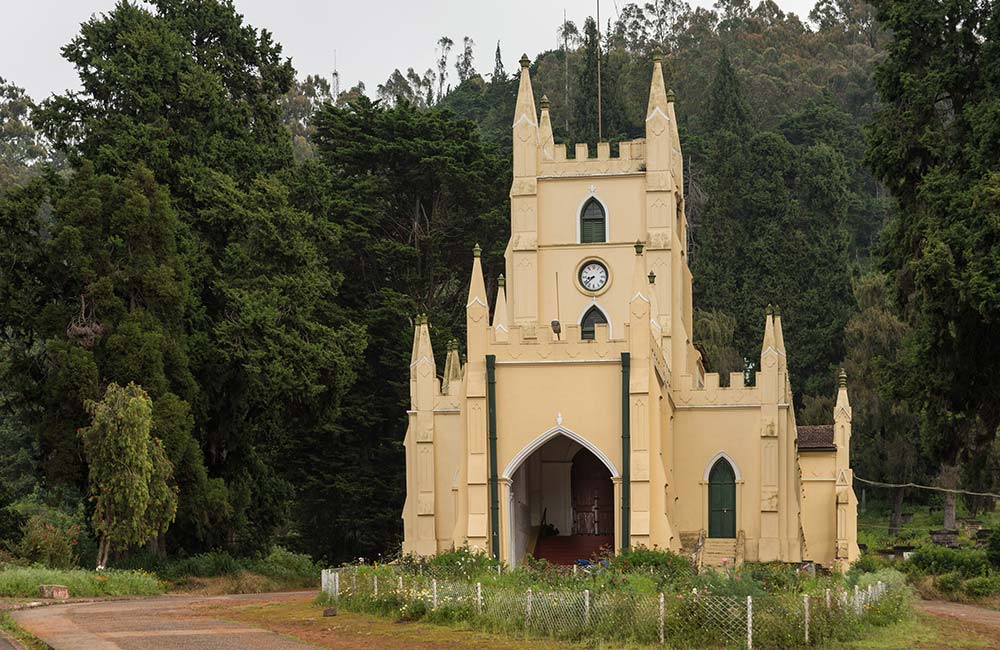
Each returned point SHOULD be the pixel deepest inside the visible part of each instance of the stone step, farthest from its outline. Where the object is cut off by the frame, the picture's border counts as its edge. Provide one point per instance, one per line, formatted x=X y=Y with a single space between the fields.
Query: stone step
x=718 y=552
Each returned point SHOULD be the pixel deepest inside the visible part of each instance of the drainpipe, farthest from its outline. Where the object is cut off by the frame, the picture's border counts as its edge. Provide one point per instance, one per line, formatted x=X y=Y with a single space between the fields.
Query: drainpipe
x=626 y=453
x=491 y=408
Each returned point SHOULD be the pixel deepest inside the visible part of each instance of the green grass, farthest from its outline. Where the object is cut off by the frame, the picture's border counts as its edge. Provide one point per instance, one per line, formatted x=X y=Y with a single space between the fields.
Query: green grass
x=23 y=582
x=920 y=632
x=28 y=640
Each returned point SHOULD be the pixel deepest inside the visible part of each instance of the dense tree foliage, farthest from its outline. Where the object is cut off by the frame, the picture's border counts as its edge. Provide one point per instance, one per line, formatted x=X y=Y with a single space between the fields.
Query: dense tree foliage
x=936 y=145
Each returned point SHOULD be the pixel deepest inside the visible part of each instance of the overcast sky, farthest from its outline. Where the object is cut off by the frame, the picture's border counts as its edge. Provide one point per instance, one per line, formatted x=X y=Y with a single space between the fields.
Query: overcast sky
x=371 y=38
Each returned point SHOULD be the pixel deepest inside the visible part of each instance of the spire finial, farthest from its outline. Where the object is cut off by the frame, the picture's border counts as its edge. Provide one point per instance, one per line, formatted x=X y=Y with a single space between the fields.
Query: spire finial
x=777 y=310
x=657 y=57
x=652 y=277
x=525 y=61
x=477 y=251
x=770 y=310
x=501 y=281
x=842 y=379
x=545 y=102
x=638 y=246
x=671 y=97
x=452 y=344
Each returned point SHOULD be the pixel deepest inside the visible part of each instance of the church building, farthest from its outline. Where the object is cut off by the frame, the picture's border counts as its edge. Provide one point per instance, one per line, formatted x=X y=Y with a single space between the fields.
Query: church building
x=584 y=416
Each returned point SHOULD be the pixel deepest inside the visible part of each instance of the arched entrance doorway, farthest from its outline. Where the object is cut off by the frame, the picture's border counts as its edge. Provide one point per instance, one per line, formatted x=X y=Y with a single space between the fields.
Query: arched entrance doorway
x=562 y=498
x=722 y=500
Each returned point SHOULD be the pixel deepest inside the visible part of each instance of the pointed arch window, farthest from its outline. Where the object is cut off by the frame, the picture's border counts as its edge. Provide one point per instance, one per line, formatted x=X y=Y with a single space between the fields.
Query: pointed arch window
x=588 y=324
x=593 y=222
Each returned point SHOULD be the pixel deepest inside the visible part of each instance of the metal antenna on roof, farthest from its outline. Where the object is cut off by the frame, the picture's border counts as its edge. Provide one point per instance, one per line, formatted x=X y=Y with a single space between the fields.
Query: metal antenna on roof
x=336 y=78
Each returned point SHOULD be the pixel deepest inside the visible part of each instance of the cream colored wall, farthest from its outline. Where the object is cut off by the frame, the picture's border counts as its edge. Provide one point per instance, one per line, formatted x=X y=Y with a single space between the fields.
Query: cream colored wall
x=560 y=200
x=573 y=300
x=700 y=434
x=530 y=397
x=559 y=204
x=449 y=446
x=819 y=505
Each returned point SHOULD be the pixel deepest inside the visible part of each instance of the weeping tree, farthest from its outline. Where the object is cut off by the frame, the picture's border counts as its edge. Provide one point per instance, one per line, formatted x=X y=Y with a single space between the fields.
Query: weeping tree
x=130 y=474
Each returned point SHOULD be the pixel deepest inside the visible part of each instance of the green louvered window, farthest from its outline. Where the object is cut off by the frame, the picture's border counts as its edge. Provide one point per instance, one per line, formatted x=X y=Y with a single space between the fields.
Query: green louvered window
x=593 y=223
x=589 y=322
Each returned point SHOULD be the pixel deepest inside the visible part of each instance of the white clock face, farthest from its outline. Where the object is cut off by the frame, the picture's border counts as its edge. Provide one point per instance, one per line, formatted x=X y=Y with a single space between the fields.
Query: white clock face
x=593 y=276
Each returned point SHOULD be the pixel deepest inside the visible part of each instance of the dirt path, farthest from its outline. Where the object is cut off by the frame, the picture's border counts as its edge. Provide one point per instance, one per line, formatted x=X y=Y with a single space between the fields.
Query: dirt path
x=986 y=621
x=163 y=623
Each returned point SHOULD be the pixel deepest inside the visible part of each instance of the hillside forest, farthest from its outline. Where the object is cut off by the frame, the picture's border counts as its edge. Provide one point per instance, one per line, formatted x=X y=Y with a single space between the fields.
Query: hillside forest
x=204 y=221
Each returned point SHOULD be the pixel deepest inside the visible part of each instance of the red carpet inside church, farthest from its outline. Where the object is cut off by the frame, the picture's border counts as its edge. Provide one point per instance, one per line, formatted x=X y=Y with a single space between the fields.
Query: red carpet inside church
x=567 y=549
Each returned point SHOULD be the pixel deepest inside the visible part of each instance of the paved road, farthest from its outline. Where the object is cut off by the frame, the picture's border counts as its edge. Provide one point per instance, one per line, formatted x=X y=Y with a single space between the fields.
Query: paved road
x=985 y=620
x=162 y=623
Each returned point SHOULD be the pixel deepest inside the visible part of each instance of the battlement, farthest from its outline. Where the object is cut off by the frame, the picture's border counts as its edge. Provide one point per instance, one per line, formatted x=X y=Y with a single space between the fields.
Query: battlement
x=630 y=159
x=697 y=391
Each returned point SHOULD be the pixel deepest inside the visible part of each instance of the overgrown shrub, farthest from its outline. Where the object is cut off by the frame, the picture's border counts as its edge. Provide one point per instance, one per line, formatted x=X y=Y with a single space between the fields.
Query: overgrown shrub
x=287 y=566
x=51 y=542
x=204 y=565
x=982 y=586
x=887 y=576
x=660 y=560
x=949 y=582
x=462 y=562
x=993 y=548
x=936 y=560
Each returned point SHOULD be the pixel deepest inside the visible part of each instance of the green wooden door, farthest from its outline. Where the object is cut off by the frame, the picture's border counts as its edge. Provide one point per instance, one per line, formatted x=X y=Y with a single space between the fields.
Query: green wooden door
x=722 y=500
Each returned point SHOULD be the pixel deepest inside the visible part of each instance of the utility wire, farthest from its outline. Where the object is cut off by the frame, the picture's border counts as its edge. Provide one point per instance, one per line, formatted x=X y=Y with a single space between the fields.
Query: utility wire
x=926 y=487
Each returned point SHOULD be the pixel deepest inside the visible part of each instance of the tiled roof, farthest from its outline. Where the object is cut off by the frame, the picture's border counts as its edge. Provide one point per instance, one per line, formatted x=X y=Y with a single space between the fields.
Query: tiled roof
x=816 y=437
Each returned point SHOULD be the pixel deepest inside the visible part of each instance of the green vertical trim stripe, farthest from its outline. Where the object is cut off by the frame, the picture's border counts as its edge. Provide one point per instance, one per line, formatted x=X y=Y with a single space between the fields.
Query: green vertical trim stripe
x=491 y=408
x=626 y=453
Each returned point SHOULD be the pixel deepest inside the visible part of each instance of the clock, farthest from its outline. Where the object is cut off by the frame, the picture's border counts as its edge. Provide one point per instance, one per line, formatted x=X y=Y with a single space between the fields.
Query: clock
x=593 y=276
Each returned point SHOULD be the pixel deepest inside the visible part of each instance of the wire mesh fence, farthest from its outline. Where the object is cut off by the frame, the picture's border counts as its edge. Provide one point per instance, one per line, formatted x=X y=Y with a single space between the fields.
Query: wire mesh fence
x=681 y=620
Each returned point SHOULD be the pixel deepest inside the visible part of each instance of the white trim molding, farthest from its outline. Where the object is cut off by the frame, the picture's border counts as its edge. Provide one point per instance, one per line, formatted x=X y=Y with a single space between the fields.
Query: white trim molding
x=588 y=307
x=537 y=443
x=729 y=459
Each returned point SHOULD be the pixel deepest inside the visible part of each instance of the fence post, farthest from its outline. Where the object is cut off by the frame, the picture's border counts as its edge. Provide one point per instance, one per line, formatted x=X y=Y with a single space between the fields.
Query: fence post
x=857 y=600
x=354 y=583
x=805 y=605
x=586 y=606
x=574 y=570
x=828 y=599
x=336 y=585
x=324 y=579
x=399 y=586
x=527 y=610
x=434 y=592
x=662 y=610
x=479 y=598
x=375 y=583
x=749 y=622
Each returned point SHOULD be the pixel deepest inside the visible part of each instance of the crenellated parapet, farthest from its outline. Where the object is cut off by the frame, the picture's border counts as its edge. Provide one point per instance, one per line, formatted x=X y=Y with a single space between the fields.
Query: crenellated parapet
x=630 y=160
x=692 y=390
